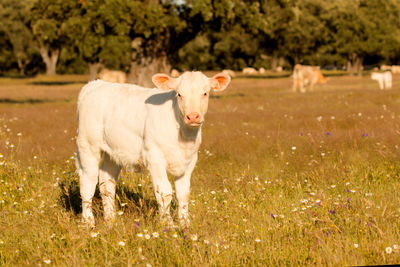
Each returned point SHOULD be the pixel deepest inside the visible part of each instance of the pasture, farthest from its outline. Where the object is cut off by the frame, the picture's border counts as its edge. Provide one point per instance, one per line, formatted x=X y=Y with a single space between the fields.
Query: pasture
x=282 y=179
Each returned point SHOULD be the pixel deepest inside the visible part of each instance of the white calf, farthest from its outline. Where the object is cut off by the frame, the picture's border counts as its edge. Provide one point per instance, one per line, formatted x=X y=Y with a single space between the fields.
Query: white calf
x=128 y=123
x=384 y=79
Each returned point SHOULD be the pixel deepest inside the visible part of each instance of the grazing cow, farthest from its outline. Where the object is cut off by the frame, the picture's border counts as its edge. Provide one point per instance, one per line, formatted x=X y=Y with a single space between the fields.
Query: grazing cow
x=261 y=70
x=279 y=69
x=229 y=72
x=249 y=71
x=159 y=127
x=384 y=79
x=304 y=76
x=114 y=76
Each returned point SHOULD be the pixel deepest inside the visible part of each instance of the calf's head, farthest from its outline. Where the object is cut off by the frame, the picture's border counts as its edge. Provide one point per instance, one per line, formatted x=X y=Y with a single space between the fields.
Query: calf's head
x=192 y=92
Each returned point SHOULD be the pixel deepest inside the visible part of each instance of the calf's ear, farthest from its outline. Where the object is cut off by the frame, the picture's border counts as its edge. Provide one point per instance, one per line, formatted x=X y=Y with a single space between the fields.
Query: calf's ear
x=163 y=81
x=220 y=81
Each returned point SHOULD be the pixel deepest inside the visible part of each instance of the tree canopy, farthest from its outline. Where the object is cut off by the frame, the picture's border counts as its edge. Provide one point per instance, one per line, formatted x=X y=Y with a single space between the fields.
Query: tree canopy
x=154 y=35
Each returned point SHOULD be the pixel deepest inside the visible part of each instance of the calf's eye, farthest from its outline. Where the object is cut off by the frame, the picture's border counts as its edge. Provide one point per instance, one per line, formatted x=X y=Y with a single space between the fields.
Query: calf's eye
x=205 y=94
x=179 y=95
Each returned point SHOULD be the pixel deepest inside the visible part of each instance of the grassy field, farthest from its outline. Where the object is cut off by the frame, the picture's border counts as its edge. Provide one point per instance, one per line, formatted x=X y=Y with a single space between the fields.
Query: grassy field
x=282 y=179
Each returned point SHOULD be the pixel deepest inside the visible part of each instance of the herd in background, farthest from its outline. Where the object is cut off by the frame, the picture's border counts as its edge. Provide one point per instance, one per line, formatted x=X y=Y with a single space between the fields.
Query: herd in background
x=304 y=77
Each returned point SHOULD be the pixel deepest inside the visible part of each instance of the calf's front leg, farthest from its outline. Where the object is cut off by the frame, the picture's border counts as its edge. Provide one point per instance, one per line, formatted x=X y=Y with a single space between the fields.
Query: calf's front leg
x=182 y=188
x=162 y=190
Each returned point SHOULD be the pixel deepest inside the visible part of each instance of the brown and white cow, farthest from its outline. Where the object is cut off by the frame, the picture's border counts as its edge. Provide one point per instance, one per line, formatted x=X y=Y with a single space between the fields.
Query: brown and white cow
x=306 y=76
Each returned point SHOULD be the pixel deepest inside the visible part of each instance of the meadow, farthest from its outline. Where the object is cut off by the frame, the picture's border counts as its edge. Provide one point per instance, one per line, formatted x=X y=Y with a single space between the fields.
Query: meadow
x=282 y=179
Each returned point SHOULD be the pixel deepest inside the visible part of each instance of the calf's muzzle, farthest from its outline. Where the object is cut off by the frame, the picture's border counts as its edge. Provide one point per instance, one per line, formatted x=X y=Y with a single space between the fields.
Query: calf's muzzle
x=193 y=118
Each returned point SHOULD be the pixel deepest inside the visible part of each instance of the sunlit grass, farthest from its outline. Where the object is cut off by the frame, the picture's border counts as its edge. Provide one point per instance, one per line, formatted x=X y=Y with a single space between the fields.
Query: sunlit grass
x=282 y=179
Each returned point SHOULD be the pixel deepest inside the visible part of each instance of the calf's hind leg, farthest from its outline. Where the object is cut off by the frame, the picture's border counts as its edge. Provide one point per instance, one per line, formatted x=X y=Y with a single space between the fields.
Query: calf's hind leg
x=108 y=176
x=88 y=162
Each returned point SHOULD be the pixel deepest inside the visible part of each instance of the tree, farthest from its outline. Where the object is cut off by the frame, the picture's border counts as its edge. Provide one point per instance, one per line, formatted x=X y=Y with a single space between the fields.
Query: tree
x=157 y=32
x=228 y=35
x=98 y=33
x=363 y=29
x=47 y=22
x=13 y=14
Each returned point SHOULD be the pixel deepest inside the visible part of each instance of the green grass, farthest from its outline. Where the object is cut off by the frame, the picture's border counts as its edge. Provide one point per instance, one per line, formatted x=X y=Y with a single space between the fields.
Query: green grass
x=282 y=179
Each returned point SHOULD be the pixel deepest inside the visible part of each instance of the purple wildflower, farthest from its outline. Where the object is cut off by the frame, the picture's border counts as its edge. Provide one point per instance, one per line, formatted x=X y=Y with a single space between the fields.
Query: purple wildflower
x=364 y=135
x=332 y=211
x=272 y=216
x=328 y=133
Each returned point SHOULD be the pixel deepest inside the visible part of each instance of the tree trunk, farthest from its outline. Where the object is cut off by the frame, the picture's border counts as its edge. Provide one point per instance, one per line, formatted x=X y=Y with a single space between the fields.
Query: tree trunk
x=93 y=70
x=21 y=66
x=143 y=67
x=50 y=60
x=360 y=67
x=349 y=67
x=281 y=61
x=274 y=63
x=354 y=65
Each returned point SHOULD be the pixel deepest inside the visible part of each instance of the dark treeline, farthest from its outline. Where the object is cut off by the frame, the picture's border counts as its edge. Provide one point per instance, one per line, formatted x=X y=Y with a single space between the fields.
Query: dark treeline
x=139 y=37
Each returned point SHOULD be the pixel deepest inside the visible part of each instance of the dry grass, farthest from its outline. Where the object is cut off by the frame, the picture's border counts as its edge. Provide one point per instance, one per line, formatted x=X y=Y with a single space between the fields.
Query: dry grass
x=282 y=179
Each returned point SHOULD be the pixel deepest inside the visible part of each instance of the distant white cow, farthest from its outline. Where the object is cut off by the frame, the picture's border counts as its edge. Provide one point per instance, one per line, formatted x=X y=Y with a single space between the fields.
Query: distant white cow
x=229 y=72
x=385 y=67
x=384 y=79
x=175 y=73
x=395 y=69
x=304 y=76
x=261 y=70
x=114 y=76
x=128 y=123
x=249 y=71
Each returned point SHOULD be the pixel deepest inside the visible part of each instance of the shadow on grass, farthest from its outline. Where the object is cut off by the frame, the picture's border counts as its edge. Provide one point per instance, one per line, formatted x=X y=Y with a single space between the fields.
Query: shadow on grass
x=31 y=101
x=227 y=96
x=51 y=83
x=70 y=199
